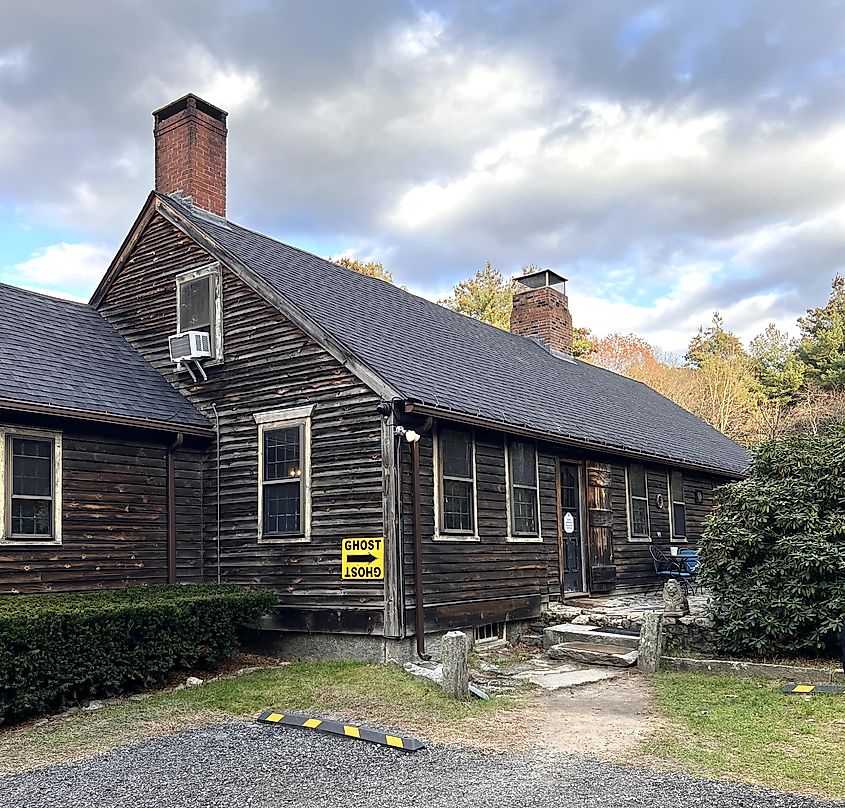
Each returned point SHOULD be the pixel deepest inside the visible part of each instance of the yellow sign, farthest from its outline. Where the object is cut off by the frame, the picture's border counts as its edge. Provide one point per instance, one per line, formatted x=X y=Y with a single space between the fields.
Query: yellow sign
x=363 y=559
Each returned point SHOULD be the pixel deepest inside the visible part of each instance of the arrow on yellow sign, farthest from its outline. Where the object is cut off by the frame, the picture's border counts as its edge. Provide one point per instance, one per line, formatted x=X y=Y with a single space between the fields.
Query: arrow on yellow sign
x=362 y=559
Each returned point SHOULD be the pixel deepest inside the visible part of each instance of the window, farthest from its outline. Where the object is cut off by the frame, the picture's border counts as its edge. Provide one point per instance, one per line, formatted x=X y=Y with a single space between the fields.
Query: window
x=457 y=482
x=638 y=503
x=522 y=474
x=30 y=472
x=678 y=505
x=490 y=632
x=284 y=488
x=198 y=305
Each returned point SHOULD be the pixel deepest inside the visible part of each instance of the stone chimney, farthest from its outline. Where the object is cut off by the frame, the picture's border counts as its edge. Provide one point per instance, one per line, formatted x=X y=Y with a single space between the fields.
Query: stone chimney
x=190 y=138
x=541 y=310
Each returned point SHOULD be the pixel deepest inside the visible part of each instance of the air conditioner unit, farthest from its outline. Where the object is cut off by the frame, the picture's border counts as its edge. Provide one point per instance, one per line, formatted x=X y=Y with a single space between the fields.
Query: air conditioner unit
x=189 y=345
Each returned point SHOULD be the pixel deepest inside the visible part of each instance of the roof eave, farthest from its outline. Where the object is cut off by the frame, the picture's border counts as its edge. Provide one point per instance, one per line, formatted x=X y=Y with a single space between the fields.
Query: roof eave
x=155 y=425
x=551 y=437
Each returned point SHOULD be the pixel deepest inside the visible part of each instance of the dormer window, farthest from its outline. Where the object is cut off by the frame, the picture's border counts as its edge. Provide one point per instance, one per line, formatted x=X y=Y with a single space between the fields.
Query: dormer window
x=198 y=305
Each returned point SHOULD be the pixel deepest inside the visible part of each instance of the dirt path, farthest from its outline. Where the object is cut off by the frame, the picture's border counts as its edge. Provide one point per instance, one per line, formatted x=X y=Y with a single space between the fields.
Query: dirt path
x=603 y=720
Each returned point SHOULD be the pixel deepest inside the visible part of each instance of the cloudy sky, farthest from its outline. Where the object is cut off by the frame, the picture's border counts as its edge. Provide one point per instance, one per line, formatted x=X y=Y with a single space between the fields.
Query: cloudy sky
x=669 y=158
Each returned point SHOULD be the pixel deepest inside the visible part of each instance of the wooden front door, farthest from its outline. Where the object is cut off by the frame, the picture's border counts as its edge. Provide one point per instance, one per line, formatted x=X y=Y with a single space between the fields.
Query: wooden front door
x=571 y=528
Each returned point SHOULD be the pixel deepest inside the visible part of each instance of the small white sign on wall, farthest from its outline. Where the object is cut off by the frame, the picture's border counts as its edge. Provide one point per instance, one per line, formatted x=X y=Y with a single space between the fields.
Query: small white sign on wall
x=569 y=523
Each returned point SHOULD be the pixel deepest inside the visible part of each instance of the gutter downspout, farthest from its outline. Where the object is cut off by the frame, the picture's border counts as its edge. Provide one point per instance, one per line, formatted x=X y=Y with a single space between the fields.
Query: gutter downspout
x=419 y=590
x=419 y=609
x=171 y=507
x=217 y=464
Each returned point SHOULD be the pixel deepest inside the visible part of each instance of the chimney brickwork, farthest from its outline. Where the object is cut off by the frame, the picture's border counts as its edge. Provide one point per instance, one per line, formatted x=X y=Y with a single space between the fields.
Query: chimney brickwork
x=190 y=152
x=543 y=313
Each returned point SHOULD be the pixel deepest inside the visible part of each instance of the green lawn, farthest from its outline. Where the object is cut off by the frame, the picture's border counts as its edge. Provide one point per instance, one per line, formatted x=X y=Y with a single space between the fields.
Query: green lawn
x=380 y=694
x=746 y=729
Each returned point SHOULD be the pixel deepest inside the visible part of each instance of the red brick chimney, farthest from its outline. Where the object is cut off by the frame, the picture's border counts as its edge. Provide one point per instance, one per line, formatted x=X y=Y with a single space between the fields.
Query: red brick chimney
x=190 y=137
x=540 y=310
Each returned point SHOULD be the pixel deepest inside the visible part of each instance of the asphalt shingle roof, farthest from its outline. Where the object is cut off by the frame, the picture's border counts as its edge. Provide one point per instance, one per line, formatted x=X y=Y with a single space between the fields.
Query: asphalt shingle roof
x=58 y=353
x=437 y=357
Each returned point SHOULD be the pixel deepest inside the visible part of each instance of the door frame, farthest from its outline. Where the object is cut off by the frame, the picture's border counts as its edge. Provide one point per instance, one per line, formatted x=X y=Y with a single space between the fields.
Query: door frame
x=581 y=465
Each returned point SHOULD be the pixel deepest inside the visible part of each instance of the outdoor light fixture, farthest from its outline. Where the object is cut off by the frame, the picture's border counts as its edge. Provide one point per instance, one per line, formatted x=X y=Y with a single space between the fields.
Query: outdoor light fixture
x=408 y=434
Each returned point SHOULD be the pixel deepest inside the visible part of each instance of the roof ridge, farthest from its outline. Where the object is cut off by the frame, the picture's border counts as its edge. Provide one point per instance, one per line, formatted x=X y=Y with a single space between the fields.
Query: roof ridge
x=192 y=210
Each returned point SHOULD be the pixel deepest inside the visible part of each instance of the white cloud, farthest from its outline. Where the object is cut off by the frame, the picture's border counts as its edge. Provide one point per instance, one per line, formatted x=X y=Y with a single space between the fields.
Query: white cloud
x=67 y=270
x=417 y=39
x=14 y=61
x=221 y=82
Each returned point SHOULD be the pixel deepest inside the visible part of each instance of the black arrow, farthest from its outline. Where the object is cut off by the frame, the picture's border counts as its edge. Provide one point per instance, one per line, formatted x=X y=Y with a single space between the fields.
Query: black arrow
x=361 y=559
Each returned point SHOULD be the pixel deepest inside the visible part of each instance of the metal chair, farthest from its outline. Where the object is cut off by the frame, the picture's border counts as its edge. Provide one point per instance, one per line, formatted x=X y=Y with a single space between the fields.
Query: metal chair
x=684 y=567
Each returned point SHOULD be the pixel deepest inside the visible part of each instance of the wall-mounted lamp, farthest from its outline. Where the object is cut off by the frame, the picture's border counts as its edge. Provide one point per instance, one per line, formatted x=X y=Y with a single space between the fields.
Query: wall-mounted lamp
x=408 y=434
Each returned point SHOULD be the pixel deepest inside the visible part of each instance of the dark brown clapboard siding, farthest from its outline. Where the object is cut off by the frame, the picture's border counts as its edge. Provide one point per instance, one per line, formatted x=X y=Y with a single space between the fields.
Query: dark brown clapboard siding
x=114 y=518
x=491 y=580
x=635 y=567
x=269 y=364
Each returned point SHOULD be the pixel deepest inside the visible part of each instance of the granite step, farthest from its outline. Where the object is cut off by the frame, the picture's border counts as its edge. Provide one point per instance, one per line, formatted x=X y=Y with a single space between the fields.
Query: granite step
x=570 y=632
x=589 y=653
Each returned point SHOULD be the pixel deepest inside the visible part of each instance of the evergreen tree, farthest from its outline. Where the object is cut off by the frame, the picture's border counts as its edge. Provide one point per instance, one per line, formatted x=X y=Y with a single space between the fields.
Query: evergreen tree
x=822 y=346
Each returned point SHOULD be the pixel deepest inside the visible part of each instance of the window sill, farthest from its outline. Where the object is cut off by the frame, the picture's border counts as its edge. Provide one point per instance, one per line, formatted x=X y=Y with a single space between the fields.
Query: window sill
x=679 y=540
x=455 y=537
x=524 y=539
x=639 y=539
x=30 y=543
x=284 y=539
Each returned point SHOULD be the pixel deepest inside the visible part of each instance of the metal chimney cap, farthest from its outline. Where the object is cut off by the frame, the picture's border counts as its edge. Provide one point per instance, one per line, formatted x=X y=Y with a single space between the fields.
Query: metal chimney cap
x=540 y=278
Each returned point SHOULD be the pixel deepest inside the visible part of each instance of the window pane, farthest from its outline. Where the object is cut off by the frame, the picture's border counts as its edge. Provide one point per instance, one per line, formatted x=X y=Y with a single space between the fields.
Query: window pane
x=679 y=516
x=456 y=450
x=32 y=517
x=195 y=304
x=569 y=489
x=457 y=505
x=282 y=505
x=523 y=464
x=636 y=480
x=677 y=486
x=32 y=467
x=639 y=517
x=525 y=510
x=282 y=454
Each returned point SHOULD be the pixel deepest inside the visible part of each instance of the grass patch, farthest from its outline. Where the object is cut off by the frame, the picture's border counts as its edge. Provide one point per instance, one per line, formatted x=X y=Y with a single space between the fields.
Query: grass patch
x=380 y=694
x=746 y=729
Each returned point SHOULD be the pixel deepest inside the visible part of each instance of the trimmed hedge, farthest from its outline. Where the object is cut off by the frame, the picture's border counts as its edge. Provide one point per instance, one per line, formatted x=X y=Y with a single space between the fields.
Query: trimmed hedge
x=61 y=649
x=774 y=549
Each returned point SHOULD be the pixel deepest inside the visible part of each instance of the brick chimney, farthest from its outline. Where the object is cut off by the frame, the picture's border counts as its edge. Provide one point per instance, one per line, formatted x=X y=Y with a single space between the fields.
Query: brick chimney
x=190 y=138
x=541 y=310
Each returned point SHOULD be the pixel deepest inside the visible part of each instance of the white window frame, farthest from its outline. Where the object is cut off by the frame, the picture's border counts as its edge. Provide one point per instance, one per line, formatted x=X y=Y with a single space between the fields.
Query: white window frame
x=522 y=538
x=6 y=539
x=629 y=503
x=285 y=419
x=671 y=500
x=445 y=535
x=213 y=271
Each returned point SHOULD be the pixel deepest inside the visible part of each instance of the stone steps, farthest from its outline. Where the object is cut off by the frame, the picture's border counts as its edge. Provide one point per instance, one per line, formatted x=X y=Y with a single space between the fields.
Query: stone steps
x=588 y=653
x=571 y=632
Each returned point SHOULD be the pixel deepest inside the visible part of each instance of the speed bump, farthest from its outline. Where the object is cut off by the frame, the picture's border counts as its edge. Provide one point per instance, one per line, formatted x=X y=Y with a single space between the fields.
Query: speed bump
x=793 y=689
x=279 y=718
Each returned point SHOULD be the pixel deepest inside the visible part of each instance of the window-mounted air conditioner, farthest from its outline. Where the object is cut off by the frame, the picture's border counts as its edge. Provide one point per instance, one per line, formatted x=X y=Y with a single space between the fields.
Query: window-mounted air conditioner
x=189 y=345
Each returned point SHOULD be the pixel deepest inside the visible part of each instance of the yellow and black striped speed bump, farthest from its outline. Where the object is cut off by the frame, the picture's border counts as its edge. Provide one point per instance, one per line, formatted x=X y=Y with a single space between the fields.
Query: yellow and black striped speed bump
x=793 y=689
x=337 y=728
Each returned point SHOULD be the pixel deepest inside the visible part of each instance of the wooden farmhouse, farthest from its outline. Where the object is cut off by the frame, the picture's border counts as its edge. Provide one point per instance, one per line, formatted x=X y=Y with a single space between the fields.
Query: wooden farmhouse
x=230 y=408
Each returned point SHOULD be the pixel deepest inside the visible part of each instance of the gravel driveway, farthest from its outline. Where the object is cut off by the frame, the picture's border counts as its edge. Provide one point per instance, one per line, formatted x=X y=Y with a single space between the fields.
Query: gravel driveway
x=235 y=765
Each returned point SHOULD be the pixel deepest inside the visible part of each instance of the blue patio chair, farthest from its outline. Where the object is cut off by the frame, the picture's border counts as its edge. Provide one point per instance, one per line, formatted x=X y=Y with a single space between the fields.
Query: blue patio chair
x=683 y=568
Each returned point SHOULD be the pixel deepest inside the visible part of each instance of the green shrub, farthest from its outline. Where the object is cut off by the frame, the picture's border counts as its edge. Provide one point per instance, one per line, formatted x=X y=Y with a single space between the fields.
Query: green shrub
x=774 y=549
x=61 y=649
